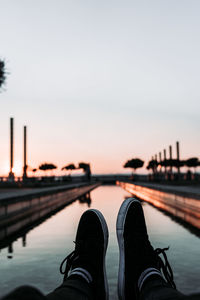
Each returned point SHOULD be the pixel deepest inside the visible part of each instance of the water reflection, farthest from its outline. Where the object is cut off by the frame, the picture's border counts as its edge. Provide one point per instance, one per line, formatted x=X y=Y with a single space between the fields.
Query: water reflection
x=10 y=251
x=85 y=199
x=24 y=240
x=182 y=221
x=173 y=215
x=20 y=229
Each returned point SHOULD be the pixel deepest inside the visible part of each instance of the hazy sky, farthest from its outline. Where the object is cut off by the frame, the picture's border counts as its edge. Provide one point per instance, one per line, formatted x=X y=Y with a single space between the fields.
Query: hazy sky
x=100 y=81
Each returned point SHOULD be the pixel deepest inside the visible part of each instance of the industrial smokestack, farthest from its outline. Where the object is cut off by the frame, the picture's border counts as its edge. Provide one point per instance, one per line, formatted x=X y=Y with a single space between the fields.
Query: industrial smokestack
x=178 y=154
x=160 y=159
x=25 y=153
x=170 y=157
x=11 y=174
x=165 y=157
x=177 y=150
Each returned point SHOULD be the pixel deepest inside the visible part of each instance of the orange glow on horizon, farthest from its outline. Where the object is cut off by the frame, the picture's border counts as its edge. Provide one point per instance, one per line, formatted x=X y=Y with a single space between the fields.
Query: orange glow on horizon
x=17 y=169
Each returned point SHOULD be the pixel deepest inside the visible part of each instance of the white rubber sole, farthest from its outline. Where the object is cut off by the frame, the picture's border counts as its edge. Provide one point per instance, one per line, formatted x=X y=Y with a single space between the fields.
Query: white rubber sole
x=120 y=231
x=105 y=233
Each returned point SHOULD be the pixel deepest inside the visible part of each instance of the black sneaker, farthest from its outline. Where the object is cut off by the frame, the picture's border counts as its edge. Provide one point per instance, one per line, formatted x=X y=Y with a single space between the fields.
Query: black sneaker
x=88 y=258
x=138 y=259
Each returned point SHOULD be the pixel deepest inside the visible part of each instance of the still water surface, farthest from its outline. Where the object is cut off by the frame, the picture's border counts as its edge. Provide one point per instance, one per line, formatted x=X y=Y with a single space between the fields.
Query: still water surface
x=38 y=263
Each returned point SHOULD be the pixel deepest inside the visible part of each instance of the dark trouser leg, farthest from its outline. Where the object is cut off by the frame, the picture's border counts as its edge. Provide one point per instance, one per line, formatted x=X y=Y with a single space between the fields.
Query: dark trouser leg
x=74 y=288
x=156 y=288
x=24 y=293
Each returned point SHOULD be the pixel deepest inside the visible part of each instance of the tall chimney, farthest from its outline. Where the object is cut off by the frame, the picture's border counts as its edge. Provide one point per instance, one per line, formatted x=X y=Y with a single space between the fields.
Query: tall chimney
x=160 y=159
x=11 y=174
x=25 y=153
x=177 y=150
x=165 y=158
x=170 y=156
x=178 y=154
x=156 y=159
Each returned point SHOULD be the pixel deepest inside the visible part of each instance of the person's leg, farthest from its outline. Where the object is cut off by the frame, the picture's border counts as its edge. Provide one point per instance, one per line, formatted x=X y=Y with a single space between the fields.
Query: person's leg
x=85 y=273
x=72 y=288
x=140 y=266
x=24 y=293
x=155 y=288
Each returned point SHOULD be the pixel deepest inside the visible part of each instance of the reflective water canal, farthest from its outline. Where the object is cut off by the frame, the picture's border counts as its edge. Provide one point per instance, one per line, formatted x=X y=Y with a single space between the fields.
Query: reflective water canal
x=35 y=257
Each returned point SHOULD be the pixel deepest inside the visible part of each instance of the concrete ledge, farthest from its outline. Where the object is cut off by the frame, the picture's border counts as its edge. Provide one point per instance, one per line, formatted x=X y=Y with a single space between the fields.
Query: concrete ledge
x=182 y=190
x=16 y=195
x=15 y=208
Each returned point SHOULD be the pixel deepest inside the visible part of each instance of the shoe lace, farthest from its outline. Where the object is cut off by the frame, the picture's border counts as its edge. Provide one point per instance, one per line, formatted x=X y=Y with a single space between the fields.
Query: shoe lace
x=69 y=259
x=165 y=266
x=81 y=252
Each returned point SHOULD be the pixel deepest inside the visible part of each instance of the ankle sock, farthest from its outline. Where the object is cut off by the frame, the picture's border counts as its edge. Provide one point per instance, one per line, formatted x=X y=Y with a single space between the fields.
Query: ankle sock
x=81 y=272
x=146 y=274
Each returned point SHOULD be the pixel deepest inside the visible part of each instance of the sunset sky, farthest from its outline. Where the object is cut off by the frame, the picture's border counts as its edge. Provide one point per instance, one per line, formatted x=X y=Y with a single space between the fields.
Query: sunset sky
x=99 y=81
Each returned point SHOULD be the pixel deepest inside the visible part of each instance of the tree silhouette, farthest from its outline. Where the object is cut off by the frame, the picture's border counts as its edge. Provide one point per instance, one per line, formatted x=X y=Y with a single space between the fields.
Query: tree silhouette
x=47 y=166
x=2 y=73
x=163 y=163
x=86 y=169
x=83 y=165
x=192 y=162
x=177 y=163
x=69 y=167
x=34 y=170
x=168 y=162
x=134 y=163
x=152 y=165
